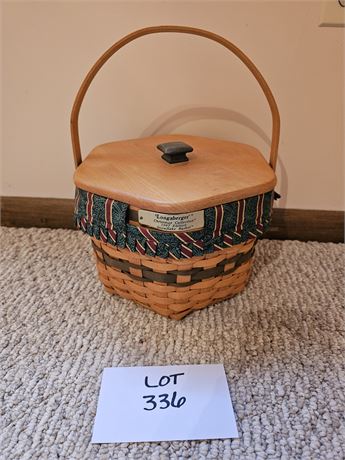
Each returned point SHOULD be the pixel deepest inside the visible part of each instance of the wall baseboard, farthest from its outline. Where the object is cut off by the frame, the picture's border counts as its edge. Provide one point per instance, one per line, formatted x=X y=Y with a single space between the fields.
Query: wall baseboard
x=37 y=212
x=287 y=224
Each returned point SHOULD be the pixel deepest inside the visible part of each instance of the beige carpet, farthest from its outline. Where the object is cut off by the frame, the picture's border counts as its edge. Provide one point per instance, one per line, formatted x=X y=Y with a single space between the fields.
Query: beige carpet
x=281 y=342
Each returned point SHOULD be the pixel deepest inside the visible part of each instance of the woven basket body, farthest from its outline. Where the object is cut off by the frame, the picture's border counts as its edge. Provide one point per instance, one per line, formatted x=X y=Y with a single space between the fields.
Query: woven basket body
x=173 y=287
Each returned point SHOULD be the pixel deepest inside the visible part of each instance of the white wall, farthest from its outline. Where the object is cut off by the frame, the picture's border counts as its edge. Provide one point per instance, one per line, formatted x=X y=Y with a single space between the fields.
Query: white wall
x=172 y=83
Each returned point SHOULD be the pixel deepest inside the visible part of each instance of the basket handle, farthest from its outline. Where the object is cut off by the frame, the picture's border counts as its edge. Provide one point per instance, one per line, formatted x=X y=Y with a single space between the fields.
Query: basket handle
x=181 y=29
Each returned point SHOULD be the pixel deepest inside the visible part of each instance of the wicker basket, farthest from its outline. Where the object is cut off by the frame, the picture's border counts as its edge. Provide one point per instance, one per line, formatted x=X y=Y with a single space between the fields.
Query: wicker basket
x=174 y=251
x=172 y=287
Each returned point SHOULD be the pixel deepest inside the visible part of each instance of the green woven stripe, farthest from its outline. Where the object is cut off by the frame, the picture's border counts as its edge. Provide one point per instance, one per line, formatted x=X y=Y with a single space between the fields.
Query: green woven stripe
x=171 y=277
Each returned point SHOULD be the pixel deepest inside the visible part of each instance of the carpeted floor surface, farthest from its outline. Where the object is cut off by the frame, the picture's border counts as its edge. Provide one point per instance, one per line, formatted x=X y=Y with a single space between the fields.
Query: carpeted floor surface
x=281 y=342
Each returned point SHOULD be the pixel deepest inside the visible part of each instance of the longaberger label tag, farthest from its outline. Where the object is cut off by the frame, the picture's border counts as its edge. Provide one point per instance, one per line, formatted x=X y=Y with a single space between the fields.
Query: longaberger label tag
x=172 y=222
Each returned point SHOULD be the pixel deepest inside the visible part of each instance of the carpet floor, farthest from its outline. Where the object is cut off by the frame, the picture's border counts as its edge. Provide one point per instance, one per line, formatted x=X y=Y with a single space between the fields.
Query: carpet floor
x=281 y=342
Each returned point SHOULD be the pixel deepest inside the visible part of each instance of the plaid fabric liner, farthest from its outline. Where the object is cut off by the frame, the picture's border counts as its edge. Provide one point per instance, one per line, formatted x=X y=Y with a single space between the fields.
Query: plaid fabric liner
x=225 y=225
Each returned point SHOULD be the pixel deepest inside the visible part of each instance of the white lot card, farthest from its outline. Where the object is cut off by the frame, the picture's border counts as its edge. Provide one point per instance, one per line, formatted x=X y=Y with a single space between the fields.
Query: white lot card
x=164 y=403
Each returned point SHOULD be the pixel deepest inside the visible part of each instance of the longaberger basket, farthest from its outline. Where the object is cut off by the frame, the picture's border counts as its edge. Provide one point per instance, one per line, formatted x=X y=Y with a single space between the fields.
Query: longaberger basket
x=172 y=232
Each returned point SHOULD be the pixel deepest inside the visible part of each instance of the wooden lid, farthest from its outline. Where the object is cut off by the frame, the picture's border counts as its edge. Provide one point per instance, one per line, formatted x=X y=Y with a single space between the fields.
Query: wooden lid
x=133 y=172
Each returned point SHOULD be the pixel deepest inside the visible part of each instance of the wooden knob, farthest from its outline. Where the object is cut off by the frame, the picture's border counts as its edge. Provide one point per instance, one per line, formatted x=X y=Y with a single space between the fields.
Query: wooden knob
x=175 y=152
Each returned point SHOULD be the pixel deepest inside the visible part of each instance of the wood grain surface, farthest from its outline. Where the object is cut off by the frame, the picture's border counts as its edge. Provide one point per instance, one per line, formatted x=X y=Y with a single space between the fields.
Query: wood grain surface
x=133 y=171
